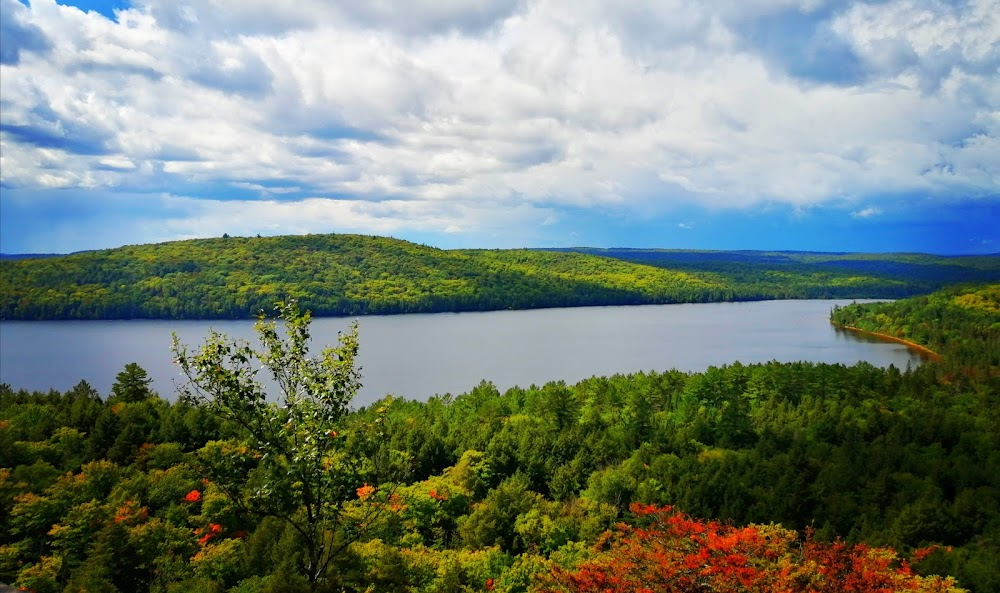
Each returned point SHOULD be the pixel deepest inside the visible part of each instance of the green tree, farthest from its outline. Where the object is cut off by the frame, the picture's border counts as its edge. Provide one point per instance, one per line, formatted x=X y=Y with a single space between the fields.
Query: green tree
x=131 y=385
x=297 y=461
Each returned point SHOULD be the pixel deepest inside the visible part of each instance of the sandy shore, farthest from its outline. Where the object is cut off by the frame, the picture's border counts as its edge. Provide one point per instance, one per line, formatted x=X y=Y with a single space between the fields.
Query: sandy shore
x=922 y=349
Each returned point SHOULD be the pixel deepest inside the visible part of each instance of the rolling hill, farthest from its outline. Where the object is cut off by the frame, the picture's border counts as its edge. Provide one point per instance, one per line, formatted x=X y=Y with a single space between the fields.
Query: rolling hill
x=334 y=274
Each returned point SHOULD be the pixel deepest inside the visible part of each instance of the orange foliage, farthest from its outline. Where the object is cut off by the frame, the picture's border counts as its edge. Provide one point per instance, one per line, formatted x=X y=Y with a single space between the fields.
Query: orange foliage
x=131 y=513
x=193 y=496
x=670 y=552
x=921 y=554
x=365 y=491
x=396 y=504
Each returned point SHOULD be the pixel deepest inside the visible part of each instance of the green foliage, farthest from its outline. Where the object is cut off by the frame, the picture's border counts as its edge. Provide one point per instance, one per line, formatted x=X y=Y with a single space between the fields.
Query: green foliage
x=131 y=385
x=296 y=459
x=494 y=520
x=238 y=277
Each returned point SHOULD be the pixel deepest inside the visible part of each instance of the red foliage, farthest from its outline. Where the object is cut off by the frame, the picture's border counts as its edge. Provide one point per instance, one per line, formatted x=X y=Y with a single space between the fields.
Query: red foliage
x=207 y=533
x=920 y=554
x=193 y=496
x=671 y=552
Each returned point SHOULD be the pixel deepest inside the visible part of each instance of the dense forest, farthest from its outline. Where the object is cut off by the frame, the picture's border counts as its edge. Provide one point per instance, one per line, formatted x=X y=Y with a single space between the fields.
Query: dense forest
x=770 y=477
x=238 y=277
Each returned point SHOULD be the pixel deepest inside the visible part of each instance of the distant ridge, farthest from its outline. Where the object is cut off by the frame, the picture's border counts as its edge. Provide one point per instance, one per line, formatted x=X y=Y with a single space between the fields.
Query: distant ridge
x=337 y=274
x=29 y=255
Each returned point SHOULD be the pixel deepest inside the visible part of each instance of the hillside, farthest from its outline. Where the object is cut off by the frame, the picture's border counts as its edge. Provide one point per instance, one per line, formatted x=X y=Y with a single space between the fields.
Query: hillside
x=236 y=277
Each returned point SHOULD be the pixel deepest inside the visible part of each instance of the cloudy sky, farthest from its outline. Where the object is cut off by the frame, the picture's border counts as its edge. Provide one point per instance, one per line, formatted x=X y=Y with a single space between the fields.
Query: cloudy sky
x=731 y=124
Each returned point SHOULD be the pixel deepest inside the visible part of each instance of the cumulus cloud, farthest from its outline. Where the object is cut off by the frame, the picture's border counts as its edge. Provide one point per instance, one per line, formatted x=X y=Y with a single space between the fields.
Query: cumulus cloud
x=925 y=38
x=435 y=115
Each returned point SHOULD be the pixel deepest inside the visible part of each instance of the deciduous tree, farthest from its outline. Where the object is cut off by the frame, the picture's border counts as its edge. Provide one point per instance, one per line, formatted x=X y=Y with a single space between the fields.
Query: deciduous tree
x=297 y=461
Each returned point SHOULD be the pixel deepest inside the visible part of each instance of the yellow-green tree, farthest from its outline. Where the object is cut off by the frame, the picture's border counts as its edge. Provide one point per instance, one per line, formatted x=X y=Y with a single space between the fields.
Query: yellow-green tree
x=297 y=459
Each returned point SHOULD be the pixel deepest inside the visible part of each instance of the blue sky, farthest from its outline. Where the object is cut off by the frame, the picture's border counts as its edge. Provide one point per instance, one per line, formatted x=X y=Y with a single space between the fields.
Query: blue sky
x=737 y=124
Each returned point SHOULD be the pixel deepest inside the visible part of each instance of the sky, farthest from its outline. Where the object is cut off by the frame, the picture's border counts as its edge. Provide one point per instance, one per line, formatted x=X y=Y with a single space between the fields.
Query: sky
x=732 y=124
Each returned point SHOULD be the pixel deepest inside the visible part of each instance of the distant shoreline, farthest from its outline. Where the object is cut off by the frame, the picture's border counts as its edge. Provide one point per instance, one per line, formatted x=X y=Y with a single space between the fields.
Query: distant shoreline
x=923 y=349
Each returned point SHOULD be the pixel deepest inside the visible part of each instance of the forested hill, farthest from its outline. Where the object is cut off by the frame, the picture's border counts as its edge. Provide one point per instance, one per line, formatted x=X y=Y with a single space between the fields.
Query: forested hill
x=236 y=277
x=962 y=323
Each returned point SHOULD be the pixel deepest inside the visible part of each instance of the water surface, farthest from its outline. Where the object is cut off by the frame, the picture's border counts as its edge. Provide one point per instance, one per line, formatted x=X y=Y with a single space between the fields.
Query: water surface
x=416 y=356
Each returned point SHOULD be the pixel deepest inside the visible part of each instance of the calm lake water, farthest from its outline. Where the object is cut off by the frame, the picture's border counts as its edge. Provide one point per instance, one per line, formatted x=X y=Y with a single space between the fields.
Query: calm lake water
x=417 y=356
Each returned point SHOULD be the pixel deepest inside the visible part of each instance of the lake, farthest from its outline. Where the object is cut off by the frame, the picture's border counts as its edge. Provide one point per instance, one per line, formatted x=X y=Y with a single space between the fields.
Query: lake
x=417 y=356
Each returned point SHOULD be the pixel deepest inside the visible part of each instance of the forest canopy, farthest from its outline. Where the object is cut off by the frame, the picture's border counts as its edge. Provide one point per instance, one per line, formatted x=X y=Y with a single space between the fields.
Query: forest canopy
x=238 y=277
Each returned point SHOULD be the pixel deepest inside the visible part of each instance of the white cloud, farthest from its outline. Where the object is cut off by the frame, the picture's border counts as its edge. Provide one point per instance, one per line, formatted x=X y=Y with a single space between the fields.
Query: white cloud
x=867 y=212
x=454 y=113
x=264 y=17
x=904 y=35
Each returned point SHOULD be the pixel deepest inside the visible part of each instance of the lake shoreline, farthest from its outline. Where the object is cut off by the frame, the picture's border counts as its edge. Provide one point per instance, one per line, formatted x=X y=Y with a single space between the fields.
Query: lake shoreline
x=445 y=312
x=913 y=345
